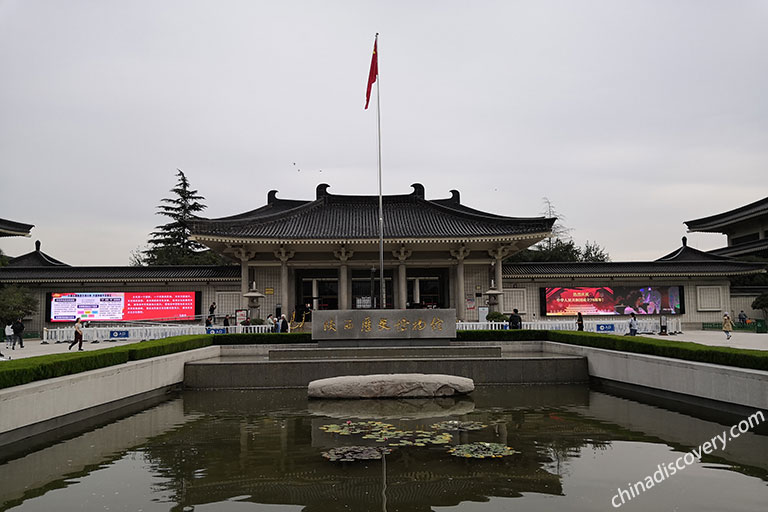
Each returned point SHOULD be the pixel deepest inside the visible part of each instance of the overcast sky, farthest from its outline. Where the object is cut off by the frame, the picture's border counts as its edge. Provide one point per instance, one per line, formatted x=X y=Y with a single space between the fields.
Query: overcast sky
x=630 y=116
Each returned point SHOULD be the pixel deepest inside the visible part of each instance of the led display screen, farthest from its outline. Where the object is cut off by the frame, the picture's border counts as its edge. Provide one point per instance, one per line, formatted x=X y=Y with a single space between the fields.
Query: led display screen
x=122 y=306
x=612 y=300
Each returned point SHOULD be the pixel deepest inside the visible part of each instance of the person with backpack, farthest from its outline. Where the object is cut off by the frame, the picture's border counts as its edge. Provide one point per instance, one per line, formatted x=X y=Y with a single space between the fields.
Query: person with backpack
x=18 y=329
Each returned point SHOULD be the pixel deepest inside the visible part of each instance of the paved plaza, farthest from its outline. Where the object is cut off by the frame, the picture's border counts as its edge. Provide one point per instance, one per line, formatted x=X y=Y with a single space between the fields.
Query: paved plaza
x=35 y=347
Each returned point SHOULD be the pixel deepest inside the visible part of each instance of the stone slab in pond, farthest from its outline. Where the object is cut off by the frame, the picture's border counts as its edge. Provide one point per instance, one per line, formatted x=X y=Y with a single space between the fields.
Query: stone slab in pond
x=401 y=385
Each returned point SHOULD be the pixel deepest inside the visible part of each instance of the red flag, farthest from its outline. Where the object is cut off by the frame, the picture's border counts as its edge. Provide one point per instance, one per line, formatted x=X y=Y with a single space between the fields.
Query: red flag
x=372 y=75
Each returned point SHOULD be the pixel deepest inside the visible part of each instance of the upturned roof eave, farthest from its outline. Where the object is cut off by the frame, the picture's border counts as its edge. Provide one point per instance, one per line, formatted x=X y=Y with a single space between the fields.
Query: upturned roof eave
x=115 y=280
x=563 y=275
x=318 y=241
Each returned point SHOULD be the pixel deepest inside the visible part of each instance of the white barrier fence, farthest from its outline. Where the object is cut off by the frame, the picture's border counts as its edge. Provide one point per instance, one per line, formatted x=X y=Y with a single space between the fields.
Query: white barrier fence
x=143 y=333
x=608 y=326
x=154 y=332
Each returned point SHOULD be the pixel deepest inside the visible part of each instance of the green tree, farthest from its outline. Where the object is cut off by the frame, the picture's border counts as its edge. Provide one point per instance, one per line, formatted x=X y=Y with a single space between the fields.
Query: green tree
x=761 y=303
x=170 y=243
x=16 y=302
x=3 y=259
x=559 y=246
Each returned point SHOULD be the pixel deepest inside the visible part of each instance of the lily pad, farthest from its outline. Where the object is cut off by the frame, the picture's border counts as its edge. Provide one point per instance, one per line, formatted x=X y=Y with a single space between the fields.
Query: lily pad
x=353 y=453
x=462 y=426
x=481 y=450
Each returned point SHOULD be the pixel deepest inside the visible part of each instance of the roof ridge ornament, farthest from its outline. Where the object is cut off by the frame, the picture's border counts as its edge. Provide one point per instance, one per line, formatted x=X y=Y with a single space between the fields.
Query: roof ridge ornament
x=272 y=197
x=322 y=190
x=418 y=190
x=455 y=196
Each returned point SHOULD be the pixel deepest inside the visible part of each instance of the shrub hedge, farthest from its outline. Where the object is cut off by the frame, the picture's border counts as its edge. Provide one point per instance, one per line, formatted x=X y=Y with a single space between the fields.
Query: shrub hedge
x=742 y=358
x=262 y=338
x=30 y=369
x=155 y=348
x=505 y=335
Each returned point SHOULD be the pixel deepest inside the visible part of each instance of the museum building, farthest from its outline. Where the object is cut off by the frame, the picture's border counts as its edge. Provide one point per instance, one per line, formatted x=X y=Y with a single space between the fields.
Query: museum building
x=323 y=253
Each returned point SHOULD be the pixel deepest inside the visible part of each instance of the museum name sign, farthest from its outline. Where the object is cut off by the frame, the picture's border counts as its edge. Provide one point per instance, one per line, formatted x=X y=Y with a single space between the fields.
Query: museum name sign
x=357 y=324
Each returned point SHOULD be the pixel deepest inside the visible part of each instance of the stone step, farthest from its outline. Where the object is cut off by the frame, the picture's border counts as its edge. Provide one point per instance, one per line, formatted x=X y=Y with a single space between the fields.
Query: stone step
x=300 y=354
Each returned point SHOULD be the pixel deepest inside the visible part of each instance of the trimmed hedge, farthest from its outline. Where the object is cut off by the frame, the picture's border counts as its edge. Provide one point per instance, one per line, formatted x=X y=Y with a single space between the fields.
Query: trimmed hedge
x=505 y=335
x=742 y=358
x=262 y=338
x=162 y=347
x=23 y=371
x=30 y=369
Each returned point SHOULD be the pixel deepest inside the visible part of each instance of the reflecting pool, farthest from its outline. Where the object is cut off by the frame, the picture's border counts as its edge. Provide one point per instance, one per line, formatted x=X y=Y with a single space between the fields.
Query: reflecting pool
x=576 y=448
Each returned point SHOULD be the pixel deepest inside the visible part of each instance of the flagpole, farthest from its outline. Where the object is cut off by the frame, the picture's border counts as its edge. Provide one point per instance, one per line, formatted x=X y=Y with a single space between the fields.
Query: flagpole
x=382 y=294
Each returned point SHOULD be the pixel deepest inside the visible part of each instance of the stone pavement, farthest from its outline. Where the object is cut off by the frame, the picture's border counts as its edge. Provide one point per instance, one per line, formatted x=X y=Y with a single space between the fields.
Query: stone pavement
x=738 y=339
x=33 y=347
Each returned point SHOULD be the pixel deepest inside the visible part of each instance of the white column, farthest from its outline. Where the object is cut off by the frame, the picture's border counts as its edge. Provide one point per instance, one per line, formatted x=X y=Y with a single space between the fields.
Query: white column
x=315 y=293
x=461 y=302
x=499 y=253
x=416 y=291
x=402 y=284
x=499 y=283
x=243 y=283
x=343 y=254
x=343 y=293
x=283 y=255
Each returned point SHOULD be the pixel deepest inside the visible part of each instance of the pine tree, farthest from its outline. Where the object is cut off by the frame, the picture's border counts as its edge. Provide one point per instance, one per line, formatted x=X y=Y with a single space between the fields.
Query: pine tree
x=170 y=244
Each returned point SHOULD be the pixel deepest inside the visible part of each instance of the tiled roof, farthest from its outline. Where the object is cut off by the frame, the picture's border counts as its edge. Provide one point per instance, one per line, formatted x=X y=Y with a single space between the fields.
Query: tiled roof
x=717 y=223
x=754 y=248
x=36 y=258
x=683 y=262
x=630 y=269
x=337 y=217
x=686 y=253
x=119 y=274
x=13 y=228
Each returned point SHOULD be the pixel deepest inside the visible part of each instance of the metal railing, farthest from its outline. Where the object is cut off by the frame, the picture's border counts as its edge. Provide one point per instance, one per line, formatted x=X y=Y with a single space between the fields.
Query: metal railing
x=154 y=332
x=607 y=326
x=143 y=333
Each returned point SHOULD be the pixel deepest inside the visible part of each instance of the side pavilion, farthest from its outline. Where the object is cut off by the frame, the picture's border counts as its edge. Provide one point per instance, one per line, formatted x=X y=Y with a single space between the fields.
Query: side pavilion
x=323 y=253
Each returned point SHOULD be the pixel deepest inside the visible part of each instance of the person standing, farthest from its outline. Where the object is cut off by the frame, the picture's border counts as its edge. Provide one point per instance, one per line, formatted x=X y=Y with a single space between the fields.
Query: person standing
x=515 y=320
x=270 y=323
x=212 y=312
x=78 y=335
x=727 y=326
x=8 y=335
x=283 y=324
x=742 y=317
x=18 y=330
x=579 y=322
x=226 y=321
x=632 y=325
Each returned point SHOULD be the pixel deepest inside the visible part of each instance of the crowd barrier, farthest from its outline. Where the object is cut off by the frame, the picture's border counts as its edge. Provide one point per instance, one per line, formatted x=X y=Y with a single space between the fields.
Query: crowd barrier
x=153 y=332
x=606 y=326
x=143 y=333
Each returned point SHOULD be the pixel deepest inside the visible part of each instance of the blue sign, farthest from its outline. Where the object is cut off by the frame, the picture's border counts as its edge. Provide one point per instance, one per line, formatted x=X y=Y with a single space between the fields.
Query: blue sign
x=216 y=330
x=118 y=334
x=606 y=328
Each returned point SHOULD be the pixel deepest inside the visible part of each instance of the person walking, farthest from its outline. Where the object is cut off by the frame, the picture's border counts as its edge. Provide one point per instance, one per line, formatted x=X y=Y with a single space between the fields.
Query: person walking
x=727 y=326
x=18 y=330
x=515 y=320
x=78 y=335
x=632 y=325
x=579 y=322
